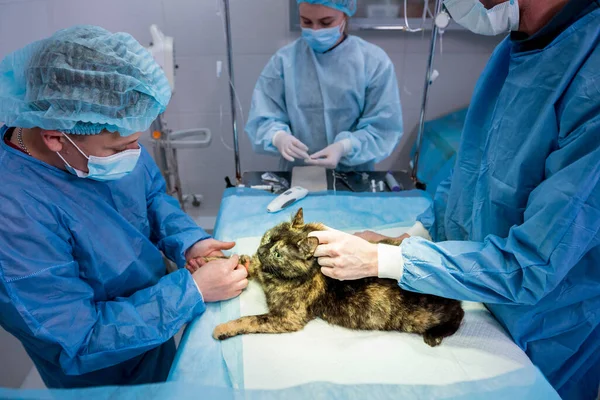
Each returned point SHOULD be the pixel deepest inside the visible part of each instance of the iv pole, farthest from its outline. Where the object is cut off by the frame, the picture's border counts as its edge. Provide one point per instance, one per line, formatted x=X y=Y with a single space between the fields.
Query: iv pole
x=236 y=147
x=434 y=35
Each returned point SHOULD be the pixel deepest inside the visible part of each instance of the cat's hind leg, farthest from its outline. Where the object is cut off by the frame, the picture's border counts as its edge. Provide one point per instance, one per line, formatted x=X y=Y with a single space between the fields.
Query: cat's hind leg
x=434 y=335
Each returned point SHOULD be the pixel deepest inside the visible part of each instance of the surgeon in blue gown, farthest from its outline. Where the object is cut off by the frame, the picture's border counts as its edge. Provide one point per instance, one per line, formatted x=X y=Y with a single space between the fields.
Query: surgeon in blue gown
x=328 y=99
x=85 y=219
x=517 y=225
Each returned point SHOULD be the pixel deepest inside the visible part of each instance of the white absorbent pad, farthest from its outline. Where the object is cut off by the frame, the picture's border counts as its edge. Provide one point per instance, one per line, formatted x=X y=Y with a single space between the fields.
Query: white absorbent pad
x=321 y=352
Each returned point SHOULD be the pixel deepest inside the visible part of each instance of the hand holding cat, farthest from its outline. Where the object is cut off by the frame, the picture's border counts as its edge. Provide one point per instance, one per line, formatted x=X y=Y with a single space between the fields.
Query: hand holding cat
x=208 y=248
x=221 y=279
x=345 y=257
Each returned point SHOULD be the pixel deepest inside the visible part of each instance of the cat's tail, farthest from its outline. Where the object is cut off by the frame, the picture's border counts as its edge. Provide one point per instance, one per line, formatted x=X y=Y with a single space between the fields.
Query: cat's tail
x=434 y=336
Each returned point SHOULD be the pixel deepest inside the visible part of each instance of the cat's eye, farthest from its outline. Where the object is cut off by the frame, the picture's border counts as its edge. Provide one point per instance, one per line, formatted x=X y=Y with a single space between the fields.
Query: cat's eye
x=276 y=254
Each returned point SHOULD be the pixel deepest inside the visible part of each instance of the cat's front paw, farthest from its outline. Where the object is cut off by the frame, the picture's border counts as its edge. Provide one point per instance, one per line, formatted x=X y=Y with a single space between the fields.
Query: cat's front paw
x=245 y=261
x=223 y=332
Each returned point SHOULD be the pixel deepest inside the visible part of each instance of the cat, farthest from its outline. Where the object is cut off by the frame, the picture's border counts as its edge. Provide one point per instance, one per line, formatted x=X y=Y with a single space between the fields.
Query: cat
x=297 y=292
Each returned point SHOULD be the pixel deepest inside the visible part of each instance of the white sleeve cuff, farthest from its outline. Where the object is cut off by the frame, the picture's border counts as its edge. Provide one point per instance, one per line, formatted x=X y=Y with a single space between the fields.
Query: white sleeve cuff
x=391 y=262
x=347 y=145
x=197 y=287
x=419 y=230
x=276 y=135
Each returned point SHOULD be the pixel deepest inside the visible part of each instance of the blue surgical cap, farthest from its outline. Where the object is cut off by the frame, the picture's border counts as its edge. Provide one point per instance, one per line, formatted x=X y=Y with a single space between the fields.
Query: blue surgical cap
x=346 y=6
x=83 y=80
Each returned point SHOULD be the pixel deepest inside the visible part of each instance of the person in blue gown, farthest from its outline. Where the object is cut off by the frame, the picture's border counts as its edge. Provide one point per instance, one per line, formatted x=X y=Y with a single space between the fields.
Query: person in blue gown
x=85 y=218
x=328 y=99
x=517 y=225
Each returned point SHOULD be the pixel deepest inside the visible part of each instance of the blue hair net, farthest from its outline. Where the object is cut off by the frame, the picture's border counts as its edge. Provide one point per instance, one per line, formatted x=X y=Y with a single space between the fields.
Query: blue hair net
x=83 y=80
x=346 y=6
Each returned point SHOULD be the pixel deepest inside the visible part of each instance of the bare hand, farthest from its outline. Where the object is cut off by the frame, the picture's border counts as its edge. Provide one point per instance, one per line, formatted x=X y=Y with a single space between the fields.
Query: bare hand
x=208 y=248
x=345 y=257
x=377 y=238
x=371 y=236
x=221 y=279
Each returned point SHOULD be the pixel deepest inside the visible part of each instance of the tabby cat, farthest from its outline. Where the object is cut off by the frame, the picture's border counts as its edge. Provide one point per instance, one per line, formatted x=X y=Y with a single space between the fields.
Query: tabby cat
x=297 y=293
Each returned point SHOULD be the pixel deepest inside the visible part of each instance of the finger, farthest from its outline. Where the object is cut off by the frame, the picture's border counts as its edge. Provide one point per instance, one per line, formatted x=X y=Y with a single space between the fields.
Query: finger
x=285 y=155
x=326 y=262
x=326 y=250
x=233 y=261
x=243 y=284
x=325 y=237
x=239 y=273
x=299 y=144
x=216 y=253
x=319 y=154
x=320 y=163
x=330 y=272
x=224 y=245
x=299 y=153
x=200 y=261
x=190 y=268
x=193 y=264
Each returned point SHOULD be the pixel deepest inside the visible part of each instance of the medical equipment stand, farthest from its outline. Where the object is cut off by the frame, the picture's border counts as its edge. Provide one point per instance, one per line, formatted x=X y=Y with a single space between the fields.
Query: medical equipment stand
x=165 y=142
x=236 y=146
x=435 y=31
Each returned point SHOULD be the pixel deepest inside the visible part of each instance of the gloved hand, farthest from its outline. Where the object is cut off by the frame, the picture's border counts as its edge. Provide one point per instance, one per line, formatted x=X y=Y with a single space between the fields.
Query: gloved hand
x=331 y=155
x=345 y=257
x=290 y=147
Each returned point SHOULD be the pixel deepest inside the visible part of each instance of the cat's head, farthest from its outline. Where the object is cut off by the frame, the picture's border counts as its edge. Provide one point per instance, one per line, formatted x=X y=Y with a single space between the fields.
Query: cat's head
x=286 y=251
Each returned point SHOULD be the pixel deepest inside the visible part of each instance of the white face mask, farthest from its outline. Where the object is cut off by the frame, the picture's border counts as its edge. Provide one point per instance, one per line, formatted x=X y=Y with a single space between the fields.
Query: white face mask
x=472 y=15
x=109 y=168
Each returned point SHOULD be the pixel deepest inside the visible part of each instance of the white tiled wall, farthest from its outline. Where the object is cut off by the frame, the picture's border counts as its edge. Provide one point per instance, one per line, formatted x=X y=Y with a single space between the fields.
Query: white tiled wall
x=259 y=28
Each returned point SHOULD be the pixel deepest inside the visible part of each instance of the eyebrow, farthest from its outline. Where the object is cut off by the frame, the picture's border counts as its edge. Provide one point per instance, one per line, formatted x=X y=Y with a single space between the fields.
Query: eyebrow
x=322 y=20
x=126 y=143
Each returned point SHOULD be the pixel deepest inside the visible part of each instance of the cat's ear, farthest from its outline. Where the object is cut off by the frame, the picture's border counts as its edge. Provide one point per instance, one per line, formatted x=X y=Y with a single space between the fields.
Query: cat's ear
x=308 y=246
x=298 y=220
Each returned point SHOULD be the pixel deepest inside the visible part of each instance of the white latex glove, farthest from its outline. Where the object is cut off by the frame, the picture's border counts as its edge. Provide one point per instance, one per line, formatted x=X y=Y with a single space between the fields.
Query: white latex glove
x=331 y=155
x=289 y=147
x=345 y=257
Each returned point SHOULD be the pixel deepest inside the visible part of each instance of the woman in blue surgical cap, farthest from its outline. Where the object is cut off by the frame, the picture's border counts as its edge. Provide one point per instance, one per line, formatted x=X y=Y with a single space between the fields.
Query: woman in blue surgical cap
x=327 y=99
x=85 y=218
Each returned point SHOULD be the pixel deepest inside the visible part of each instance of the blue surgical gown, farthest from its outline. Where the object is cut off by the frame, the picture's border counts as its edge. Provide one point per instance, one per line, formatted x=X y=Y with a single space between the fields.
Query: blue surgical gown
x=349 y=92
x=518 y=223
x=83 y=283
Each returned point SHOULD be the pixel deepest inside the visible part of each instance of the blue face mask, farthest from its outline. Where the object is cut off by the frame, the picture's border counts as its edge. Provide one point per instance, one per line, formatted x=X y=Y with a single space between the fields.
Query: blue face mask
x=472 y=15
x=321 y=40
x=109 y=168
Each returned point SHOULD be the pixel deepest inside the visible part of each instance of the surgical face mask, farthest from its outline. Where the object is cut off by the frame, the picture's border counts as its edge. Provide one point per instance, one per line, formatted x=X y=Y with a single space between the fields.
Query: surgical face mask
x=109 y=168
x=321 y=40
x=472 y=15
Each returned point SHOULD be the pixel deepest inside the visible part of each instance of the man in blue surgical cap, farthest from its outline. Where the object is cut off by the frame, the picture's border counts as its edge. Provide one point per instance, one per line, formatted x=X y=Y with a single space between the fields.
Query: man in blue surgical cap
x=517 y=226
x=328 y=99
x=85 y=218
